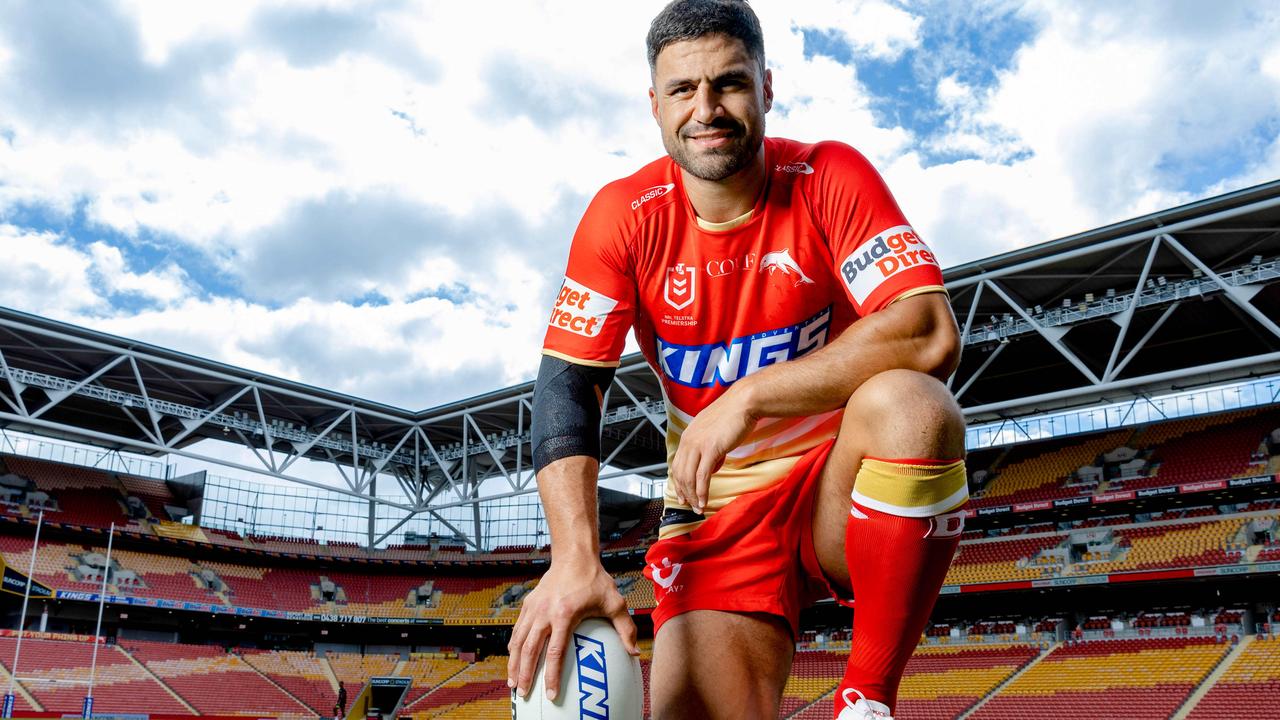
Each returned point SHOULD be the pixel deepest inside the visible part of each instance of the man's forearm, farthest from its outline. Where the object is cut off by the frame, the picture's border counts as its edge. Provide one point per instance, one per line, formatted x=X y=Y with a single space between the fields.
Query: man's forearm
x=917 y=333
x=568 y=491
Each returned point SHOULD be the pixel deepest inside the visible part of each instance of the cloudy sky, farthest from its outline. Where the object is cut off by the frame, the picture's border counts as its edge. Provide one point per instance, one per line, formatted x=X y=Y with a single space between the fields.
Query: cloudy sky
x=378 y=197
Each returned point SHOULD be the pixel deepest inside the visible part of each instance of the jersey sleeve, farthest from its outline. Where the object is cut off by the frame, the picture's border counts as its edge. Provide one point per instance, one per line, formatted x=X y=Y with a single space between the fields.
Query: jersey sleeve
x=877 y=253
x=594 y=307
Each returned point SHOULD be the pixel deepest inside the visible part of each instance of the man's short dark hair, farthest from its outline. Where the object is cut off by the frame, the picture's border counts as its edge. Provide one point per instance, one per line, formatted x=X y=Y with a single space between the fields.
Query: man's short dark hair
x=692 y=19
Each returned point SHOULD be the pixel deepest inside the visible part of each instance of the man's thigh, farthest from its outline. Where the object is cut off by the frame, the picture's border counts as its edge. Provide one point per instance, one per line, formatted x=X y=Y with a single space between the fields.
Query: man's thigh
x=714 y=664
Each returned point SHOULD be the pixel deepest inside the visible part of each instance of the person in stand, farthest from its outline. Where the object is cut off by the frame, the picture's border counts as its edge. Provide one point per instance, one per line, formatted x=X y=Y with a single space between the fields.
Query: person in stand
x=801 y=333
x=340 y=707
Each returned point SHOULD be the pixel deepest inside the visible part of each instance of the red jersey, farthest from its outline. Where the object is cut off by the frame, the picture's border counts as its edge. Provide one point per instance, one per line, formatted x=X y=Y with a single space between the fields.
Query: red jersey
x=711 y=303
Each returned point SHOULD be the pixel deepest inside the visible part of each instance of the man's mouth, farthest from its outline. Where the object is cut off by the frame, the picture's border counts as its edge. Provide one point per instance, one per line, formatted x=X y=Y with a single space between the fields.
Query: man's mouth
x=711 y=139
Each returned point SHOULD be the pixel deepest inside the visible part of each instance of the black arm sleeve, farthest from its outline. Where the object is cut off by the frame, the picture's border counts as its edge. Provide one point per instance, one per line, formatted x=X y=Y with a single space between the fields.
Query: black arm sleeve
x=566 y=410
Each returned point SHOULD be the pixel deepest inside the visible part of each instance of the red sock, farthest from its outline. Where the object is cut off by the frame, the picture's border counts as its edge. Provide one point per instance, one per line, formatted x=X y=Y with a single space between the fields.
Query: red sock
x=896 y=566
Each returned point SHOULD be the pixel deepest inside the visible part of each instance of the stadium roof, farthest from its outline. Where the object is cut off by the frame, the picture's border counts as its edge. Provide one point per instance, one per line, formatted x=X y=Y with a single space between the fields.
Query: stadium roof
x=1176 y=298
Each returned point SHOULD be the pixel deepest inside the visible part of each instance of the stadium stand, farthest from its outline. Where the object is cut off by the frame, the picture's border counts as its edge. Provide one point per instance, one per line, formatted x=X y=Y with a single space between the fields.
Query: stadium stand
x=1250 y=687
x=55 y=673
x=643 y=532
x=353 y=669
x=213 y=681
x=813 y=675
x=454 y=598
x=1034 y=471
x=940 y=682
x=479 y=691
x=1133 y=678
x=301 y=674
x=428 y=671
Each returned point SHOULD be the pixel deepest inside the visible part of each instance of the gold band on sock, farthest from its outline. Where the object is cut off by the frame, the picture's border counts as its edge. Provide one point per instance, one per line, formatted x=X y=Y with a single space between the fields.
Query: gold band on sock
x=911 y=489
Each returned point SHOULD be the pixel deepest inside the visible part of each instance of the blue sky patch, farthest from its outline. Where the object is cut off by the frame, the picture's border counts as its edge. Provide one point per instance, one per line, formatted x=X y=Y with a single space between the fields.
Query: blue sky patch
x=1196 y=172
x=142 y=253
x=456 y=293
x=973 y=45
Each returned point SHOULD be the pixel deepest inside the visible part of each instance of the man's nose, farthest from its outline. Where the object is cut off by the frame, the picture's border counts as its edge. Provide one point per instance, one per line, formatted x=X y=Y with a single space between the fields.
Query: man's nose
x=707 y=105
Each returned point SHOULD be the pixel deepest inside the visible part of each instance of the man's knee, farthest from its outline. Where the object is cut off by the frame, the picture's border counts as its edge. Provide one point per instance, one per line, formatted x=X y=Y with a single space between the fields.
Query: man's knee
x=907 y=414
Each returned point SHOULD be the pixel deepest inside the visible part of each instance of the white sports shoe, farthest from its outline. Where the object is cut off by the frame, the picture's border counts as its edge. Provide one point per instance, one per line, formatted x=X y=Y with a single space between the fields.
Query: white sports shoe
x=862 y=709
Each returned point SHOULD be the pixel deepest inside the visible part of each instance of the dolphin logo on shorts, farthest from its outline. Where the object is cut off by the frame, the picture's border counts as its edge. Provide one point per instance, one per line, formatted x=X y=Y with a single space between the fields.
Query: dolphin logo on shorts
x=665 y=581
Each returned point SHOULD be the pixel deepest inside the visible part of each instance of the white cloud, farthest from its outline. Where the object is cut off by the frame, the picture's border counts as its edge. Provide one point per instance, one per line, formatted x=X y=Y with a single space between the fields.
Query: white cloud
x=162 y=25
x=876 y=29
x=1094 y=122
x=44 y=275
x=165 y=285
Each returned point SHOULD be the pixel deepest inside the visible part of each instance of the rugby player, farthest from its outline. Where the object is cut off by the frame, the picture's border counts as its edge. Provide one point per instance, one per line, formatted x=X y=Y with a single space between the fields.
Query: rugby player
x=801 y=333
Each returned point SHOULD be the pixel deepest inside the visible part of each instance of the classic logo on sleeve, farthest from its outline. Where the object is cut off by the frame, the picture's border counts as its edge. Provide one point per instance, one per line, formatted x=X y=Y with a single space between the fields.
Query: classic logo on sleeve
x=651 y=193
x=874 y=262
x=581 y=310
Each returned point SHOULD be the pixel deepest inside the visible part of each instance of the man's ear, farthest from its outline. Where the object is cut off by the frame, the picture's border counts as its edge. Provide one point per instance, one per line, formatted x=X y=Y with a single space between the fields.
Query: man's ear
x=768 y=90
x=653 y=106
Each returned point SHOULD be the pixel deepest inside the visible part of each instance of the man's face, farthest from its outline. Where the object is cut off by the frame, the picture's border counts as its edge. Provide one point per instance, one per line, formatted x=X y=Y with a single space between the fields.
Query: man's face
x=709 y=98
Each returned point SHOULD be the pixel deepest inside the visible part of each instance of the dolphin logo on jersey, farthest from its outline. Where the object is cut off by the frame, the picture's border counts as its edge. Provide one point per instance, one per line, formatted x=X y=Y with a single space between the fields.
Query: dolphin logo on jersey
x=782 y=260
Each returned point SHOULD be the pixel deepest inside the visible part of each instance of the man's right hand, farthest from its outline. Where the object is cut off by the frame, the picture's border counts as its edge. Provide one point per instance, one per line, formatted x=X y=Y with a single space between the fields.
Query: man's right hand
x=570 y=592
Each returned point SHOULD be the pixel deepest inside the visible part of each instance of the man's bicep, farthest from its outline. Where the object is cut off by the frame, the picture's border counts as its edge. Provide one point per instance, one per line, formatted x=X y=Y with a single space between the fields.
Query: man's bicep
x=927 y=324
x=566 y=409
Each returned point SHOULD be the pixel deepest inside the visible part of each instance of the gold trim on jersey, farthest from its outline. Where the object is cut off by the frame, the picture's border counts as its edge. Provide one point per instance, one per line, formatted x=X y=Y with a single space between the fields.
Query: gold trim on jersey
x=727 y=484
x=923 y=290
x=910 y=489
x=580 y=361
x=727 y=224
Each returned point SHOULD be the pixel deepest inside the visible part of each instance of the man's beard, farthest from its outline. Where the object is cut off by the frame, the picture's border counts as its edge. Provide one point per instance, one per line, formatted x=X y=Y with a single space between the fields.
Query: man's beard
x=719 y=163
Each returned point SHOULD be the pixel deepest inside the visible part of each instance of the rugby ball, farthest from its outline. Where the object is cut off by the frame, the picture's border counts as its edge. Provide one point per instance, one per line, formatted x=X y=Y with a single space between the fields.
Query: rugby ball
x=599 y=681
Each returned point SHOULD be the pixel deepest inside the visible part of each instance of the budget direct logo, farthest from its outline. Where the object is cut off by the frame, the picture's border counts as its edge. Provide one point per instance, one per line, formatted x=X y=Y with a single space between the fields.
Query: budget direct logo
x=593 y=678
x=884 y=256
x=580 y=310
x=652 y=193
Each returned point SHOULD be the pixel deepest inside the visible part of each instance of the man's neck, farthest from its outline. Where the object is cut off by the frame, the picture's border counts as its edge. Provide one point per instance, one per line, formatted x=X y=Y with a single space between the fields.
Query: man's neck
x=719 y=201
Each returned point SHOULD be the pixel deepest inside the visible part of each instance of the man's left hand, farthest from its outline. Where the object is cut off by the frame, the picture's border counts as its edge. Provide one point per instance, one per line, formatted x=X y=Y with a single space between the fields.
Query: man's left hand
x=713 y=434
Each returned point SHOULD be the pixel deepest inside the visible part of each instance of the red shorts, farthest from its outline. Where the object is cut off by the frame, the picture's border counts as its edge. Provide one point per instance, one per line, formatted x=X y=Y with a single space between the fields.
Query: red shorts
x=754 y=555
